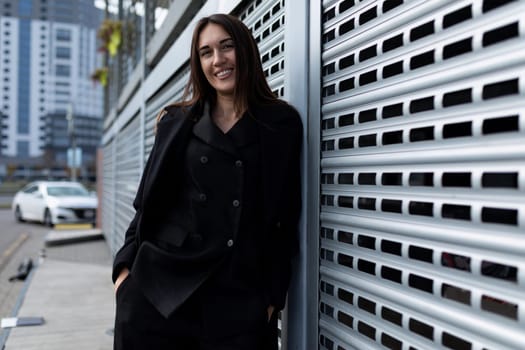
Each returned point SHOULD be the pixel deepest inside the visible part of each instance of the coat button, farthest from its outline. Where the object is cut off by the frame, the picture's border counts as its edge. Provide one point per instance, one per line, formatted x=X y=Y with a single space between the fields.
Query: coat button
x=202 y=197
x=229 y=243
x=204 y=159
x=236 y=203
x=238 y=163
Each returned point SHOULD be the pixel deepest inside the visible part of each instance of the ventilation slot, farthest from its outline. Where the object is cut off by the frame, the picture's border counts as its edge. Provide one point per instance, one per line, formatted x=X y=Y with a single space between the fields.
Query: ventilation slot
x=366 y=179
x=391 y=206
x=393 y=43
x=389 y=5
x=366 y=242
x=499 y=216
x=368 y=115
x=421 y=179
x=422 y=31
x=346 y=119
x=422 y=60
x=345 y=296
x=345 y=319
x=501 y=34
x=391 y=247
x=328 y=124
x=345 y=201
x=457 y=98
x=422 y=104
x=346 y=179
x=457 y=48
x=489 y=5
x=499 y=306
x=452 y=342
x=501 y=124
x=503 y=88
x=392 y=111
x=392 y=137
x=421 y=328
x=457 y=294
x=366 y=266
x=500 y=271
x=392 y=316
x=367 y=330
x=500 y=180
x=420 y=253
x=457 y=130
x=391 y=274
x=457 y=16
x=368 y=15
x=392 y=69
x=454 y=211
x=345 y=260
x=345 y=237
x=456 y=180
x=455 y=261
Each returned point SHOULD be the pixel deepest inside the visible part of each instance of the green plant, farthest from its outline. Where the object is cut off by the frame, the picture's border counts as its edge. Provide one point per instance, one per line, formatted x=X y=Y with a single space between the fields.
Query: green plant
x=110 y=34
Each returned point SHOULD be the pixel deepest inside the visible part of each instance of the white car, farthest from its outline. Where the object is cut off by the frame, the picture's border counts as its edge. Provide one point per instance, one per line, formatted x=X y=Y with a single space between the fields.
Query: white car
x=54 y=202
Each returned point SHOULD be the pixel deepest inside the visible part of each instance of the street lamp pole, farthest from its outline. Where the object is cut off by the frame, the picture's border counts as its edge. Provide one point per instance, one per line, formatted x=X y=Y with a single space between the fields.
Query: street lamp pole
x=70 y=117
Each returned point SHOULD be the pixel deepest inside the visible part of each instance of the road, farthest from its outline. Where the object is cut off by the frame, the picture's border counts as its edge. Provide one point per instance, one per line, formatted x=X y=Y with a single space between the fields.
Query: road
x=18 y=241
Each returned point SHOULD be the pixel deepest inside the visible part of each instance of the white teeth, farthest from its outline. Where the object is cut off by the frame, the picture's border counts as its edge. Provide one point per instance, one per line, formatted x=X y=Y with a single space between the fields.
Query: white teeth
x=223 y=73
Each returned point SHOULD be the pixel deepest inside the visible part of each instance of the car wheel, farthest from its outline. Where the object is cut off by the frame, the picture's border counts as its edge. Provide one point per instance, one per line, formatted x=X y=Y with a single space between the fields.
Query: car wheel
x=18 y=214
x=48 y=221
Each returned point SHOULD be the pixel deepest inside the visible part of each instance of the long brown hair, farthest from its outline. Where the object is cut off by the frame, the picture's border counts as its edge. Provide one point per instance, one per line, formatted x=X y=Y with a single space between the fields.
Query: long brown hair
x=251 y=87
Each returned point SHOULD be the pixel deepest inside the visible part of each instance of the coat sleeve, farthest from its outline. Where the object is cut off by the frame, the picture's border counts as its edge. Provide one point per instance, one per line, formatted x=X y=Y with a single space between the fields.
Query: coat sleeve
x=286 y=230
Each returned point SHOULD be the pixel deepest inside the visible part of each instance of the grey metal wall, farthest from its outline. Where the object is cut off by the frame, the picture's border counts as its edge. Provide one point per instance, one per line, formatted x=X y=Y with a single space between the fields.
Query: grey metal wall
x=422 y=175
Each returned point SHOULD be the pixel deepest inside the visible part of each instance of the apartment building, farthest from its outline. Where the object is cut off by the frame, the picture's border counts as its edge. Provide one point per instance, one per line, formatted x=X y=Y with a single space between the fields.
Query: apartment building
x=48 y=53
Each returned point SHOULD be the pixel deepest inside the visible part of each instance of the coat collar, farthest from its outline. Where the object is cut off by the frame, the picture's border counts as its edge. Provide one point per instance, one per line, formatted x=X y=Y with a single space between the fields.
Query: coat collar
x=206 y=130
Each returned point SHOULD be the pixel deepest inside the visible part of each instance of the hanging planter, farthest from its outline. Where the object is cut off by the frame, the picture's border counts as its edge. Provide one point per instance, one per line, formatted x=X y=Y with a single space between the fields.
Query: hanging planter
x=110 y=34
x=100 y=75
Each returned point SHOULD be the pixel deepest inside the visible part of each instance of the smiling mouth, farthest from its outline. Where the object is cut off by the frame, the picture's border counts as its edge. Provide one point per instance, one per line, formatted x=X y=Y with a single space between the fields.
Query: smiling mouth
x=224 y=73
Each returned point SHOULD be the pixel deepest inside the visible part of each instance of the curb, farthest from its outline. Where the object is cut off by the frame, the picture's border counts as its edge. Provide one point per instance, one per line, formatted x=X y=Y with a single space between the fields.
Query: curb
x=61 y=237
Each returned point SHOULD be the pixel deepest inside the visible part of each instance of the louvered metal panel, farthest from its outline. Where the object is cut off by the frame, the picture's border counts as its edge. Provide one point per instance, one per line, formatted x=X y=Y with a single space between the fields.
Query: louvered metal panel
x=266 y=20
x=422 y=175
x=128 y=169
x=108 y=199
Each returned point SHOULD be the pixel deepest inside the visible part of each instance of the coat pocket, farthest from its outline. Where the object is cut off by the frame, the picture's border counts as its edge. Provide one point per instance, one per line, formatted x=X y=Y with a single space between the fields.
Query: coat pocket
x=171 y=236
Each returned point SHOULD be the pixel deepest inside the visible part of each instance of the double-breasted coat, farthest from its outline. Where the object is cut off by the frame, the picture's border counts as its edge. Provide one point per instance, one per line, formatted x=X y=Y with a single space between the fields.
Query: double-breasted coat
x=168 y=277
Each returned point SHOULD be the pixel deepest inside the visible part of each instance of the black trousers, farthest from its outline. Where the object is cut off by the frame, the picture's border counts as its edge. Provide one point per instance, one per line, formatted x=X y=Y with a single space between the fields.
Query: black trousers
x=138 y=325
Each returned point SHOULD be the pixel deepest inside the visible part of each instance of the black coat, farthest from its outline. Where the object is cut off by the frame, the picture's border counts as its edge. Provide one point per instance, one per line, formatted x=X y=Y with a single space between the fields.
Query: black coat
x=177 y=274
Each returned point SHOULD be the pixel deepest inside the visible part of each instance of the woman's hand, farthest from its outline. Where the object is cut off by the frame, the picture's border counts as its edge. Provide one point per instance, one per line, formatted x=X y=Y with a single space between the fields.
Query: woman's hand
x=121 y=277
x=270 y=310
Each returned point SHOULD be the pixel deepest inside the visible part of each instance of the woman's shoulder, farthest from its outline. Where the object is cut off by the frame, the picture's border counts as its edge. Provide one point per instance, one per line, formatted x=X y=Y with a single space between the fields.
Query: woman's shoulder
x=279 y=112
x=176 y=111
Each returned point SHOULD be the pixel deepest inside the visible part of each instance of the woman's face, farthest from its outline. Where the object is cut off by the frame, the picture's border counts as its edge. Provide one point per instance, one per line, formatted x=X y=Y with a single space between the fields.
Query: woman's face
x=217 y=58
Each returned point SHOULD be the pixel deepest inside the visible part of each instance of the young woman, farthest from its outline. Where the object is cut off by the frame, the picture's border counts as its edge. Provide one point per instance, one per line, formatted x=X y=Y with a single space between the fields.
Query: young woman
x=206 y=259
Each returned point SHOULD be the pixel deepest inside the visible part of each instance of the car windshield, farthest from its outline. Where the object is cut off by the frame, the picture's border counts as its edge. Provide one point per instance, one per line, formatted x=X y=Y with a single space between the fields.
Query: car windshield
x=61 y=191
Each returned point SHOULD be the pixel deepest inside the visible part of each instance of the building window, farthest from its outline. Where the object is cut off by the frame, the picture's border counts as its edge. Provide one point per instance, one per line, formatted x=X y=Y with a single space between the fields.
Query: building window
x=62 y=70
x=63 y=35
x=63 y=52
x=23 y=148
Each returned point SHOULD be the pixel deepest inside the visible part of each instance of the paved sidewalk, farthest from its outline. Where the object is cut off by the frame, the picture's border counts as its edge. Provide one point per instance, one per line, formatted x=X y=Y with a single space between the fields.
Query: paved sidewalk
x=71 y=289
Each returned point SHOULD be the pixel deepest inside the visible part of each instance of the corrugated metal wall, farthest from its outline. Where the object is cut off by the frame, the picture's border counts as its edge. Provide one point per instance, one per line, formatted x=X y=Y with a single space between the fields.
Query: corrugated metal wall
x=422 y=175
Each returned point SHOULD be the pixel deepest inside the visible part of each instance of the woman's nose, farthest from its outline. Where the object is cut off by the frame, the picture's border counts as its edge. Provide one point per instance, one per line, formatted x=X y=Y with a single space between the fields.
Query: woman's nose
x=218 y=58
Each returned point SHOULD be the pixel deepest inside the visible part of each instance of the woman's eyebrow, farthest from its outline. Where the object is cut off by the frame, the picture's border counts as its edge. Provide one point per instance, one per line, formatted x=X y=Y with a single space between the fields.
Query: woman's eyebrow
x=220 y=42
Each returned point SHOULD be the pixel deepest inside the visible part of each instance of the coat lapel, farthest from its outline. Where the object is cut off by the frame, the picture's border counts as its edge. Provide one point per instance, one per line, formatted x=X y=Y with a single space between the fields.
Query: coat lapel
x=208 y=132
